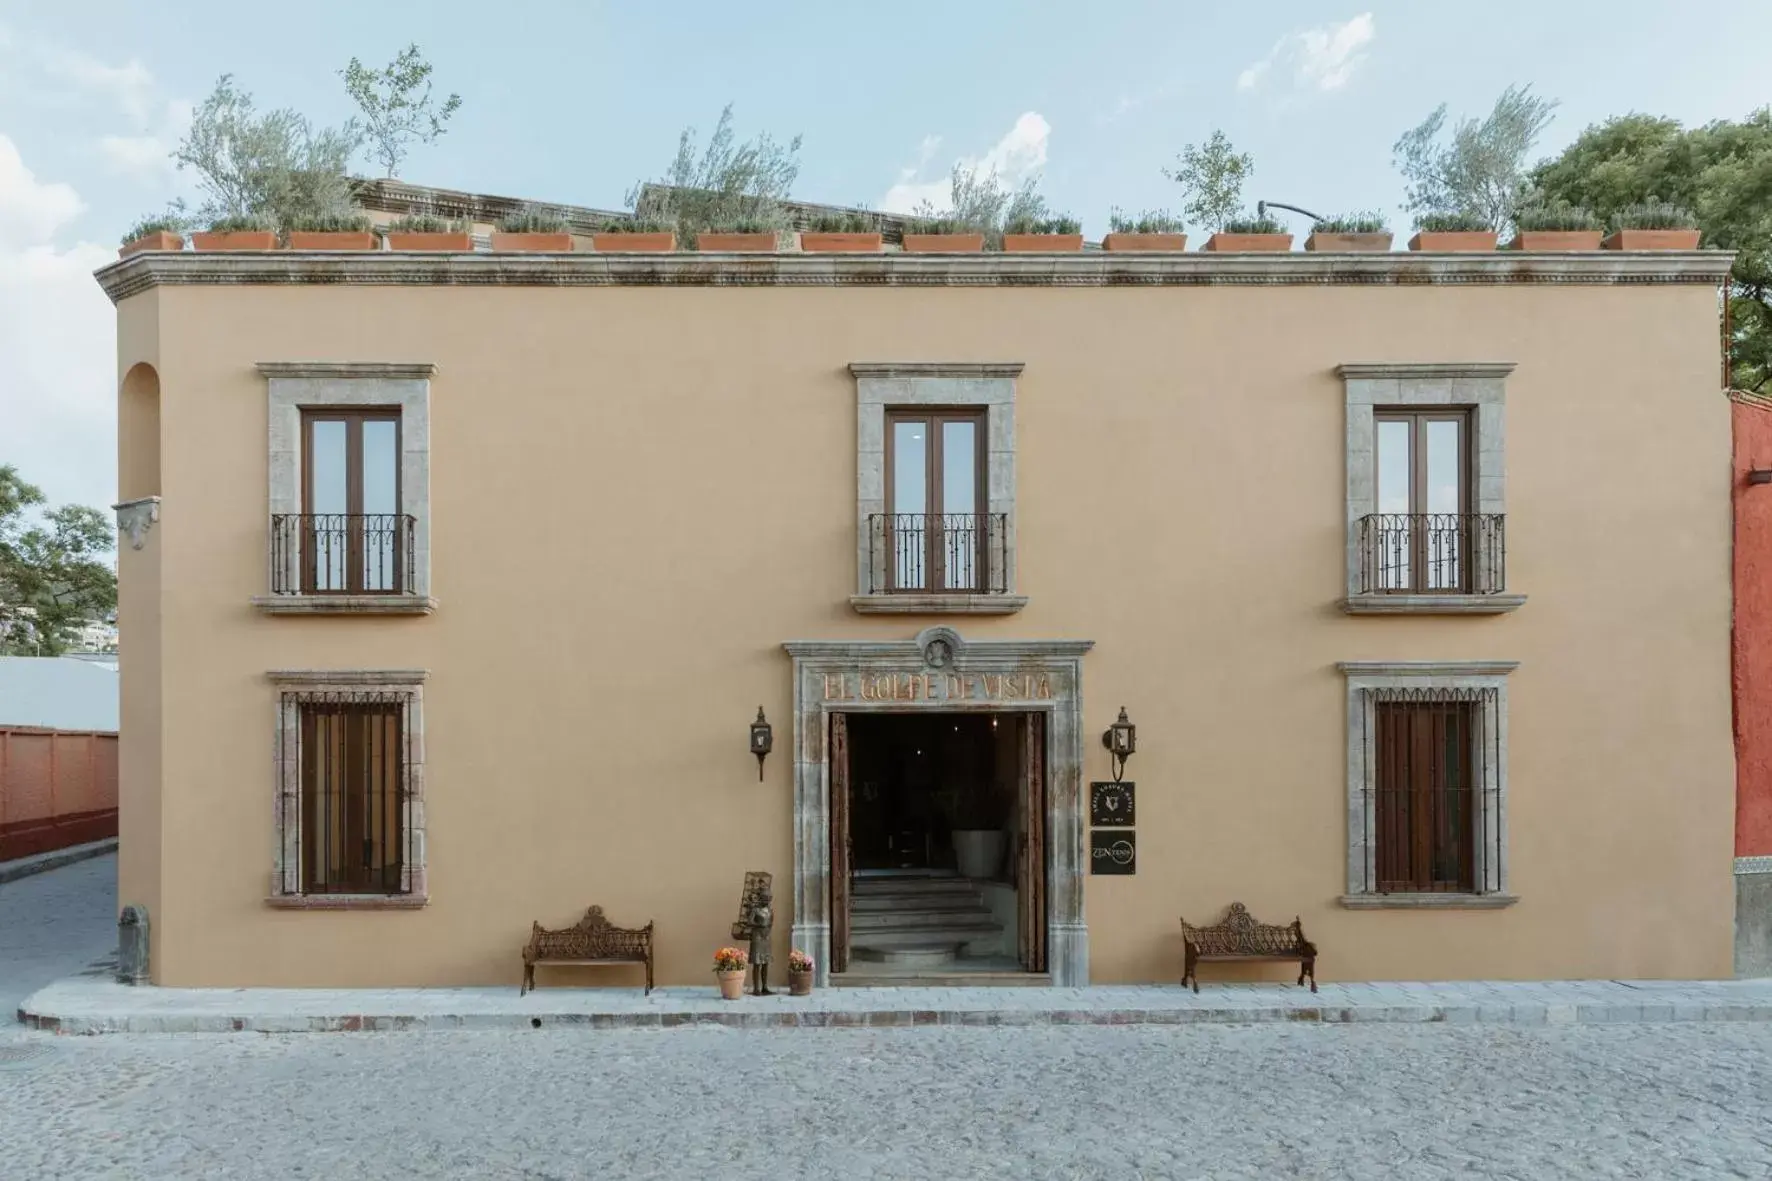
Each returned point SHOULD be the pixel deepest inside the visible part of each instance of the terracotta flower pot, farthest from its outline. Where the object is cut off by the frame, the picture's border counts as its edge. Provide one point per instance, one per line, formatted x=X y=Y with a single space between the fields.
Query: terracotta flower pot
x=1555 y=240
x=615 y=242
x=1144 y=242
x=426 y=240
x=534 y=243
x=235 y=240
x=1652 y=240
x=819 y=242
x=943 y=243
x=1324 y=242
x=1042 y=243
x=1243 y=243
x=731 y=984
x=752 y=243
x=160 y=240
x=799 y=983
x=347 y=240
x=1453 y=241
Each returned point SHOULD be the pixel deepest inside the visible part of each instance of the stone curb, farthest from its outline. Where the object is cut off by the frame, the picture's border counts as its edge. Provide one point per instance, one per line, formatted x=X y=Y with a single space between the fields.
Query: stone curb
x=24 y=867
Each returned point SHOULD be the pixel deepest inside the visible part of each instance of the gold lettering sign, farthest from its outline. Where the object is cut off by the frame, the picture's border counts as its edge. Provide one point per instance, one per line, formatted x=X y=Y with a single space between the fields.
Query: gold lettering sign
x=937 y=687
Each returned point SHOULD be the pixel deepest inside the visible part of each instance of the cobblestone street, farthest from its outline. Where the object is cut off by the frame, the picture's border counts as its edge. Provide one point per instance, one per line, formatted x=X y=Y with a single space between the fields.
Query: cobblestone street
x=1672 y=1100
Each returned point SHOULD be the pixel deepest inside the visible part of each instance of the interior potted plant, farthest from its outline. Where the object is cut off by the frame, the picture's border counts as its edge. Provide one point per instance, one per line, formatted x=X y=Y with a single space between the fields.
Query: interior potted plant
x=533 y=229
x=1654 y=225
x=800 y=967
x=332 y=231
x=1349 y=233
x=1558 y=226
x=649 y=234
x=424 y=231
x=1151 y=230
x=841 y=233
x=1026 y=234
x=1249 y=234
x=975 y=811
x=751 y=234
x=943 y=235
x=250 y=231
x=729 y=966
x=162 y=232
x=1455 y=232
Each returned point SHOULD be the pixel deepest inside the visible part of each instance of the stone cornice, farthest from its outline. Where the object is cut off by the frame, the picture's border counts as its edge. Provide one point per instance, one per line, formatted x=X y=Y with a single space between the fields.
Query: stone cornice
x=140 y=272
x=1427 y=668
x=973 y=652
x=1422 y=371
x=962 y=369
x=347 y=676
x=333 y=370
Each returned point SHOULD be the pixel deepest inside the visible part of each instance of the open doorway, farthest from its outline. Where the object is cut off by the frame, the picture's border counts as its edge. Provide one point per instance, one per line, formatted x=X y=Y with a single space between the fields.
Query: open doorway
x=938 y=843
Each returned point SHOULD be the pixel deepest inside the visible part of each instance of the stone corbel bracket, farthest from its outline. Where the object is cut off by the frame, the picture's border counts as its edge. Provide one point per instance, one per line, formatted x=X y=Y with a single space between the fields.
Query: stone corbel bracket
x=136 y=517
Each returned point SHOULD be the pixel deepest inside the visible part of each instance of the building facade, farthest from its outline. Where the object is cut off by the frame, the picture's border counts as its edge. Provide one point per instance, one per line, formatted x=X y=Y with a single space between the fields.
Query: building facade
x=453 y=586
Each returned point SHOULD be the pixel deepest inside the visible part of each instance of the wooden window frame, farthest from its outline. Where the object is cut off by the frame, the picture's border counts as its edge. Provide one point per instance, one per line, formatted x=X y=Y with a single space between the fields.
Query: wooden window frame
x=353 y=417
x=1420 y=560
x=349 y=806
x=1410 y=788
x=935 y=417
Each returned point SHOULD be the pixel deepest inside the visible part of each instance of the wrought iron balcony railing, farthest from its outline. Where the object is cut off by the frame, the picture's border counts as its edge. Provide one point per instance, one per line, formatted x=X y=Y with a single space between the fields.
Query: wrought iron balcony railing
x=1433 y=554
x=341 y=554
x=939 y=553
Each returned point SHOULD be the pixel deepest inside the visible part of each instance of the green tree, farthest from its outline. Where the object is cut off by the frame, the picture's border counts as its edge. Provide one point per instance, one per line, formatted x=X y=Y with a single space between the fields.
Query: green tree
x=273 y=166
x=981 y=203
x=397 y=107
x=1721 y=171
x=727 y=185
x=1481 y=168
x=52 y=576
x=1211 y=176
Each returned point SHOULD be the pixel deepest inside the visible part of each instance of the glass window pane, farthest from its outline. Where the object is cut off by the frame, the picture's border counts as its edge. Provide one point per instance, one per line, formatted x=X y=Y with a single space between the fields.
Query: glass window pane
x=1393 y=465
x=380 y=526
x=1445 y=465
x=910 y=467
x=328 y=498
x=959 y=505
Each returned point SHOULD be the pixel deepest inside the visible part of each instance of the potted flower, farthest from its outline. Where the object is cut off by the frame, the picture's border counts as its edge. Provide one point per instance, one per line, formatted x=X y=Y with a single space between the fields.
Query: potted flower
x=423 y=231
x=943 y=235
x=1654 y=225
x=1559 y=226
x=841 y=233
x=800 y=966
x=1459 y=232
x=239 y=232
x=729 y=966
x=1249 y=233
x=651 y=235
x=976 y=813
x=533 y=229
x=332 y=231
x=745 y=234
x=1350 y=232
x=153 y=233
x=1151 y=230
x=1025 y=234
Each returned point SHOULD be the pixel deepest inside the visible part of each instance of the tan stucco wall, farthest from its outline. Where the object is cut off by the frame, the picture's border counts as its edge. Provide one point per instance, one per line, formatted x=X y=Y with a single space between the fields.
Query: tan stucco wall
x=638 y=494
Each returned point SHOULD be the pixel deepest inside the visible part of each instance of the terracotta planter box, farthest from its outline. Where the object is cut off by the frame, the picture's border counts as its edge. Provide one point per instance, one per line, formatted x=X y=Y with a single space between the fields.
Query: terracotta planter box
x=1327 y=243
x=347 y=240
x=1652 y=240
x=659 y=242
x=155 y=241
x=1144 y=242
x=1244 y=243
x=534 y=243
x=799 y=983
x=943 y=243
x=1453 y=241
x=1041 y=243
x=235 y=240
x=819 y=242
x=753 y=243
x=1556 y=240
x=416 y=240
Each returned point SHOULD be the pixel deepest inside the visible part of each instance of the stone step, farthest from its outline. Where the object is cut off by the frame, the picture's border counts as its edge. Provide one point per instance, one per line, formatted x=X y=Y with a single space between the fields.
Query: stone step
x=925 y=935
x=873 y=975
x=934 y=956
x=957 y=890
x=877 y=920
x=933 y=905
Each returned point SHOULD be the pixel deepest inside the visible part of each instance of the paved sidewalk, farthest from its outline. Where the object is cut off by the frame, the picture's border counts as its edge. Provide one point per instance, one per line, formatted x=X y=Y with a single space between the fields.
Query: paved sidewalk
x=24 y=867
x=93 y=1004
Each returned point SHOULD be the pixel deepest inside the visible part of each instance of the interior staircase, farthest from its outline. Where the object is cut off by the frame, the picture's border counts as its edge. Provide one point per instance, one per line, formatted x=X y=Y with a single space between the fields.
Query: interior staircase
x=916 y=921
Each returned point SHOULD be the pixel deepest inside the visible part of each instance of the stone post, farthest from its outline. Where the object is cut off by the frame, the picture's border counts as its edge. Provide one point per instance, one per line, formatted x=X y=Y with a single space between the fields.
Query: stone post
x=132 y=945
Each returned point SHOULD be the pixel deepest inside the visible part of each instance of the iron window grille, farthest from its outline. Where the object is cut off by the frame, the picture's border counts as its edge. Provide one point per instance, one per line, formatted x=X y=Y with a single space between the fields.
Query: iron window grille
x=938 y=553
x=1433 y=553
x=342 y=554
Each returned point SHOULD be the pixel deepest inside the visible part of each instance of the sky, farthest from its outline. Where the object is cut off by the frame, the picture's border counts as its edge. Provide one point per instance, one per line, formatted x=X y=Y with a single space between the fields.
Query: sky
x=575 y=103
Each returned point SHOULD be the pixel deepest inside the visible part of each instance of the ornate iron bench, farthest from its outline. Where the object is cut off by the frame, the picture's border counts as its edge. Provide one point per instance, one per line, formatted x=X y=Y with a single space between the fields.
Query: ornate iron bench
x=592 y=940
x=1239 y=937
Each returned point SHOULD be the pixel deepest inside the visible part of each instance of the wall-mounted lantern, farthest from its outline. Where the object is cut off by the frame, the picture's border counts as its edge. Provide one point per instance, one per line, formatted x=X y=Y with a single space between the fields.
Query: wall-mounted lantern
x=762 y=740
x=1121 y=740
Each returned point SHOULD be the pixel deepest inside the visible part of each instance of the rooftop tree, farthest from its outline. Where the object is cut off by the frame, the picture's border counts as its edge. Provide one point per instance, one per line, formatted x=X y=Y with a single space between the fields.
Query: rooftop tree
x=398 y=107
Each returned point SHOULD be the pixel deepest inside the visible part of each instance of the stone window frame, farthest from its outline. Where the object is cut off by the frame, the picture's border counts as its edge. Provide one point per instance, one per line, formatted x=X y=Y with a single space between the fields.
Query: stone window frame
x=289 y=686
x=1479 y=386
x=884 y=385
x=1491 y=870
x=297 y=385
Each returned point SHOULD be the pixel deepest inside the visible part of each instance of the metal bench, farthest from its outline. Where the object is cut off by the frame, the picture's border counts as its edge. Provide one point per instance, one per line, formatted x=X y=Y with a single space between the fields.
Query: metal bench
x=1239 y=937
x=590 y=941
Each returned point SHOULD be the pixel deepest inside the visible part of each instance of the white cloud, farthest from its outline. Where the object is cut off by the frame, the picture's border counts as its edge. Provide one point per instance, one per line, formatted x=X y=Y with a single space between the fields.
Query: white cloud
x=129 y=85
x=1020 y=154
x=1321 y=59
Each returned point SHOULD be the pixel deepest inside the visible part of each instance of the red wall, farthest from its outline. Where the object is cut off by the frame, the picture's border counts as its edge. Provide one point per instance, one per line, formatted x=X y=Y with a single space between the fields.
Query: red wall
x=57 y=788
x=1753 y=632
